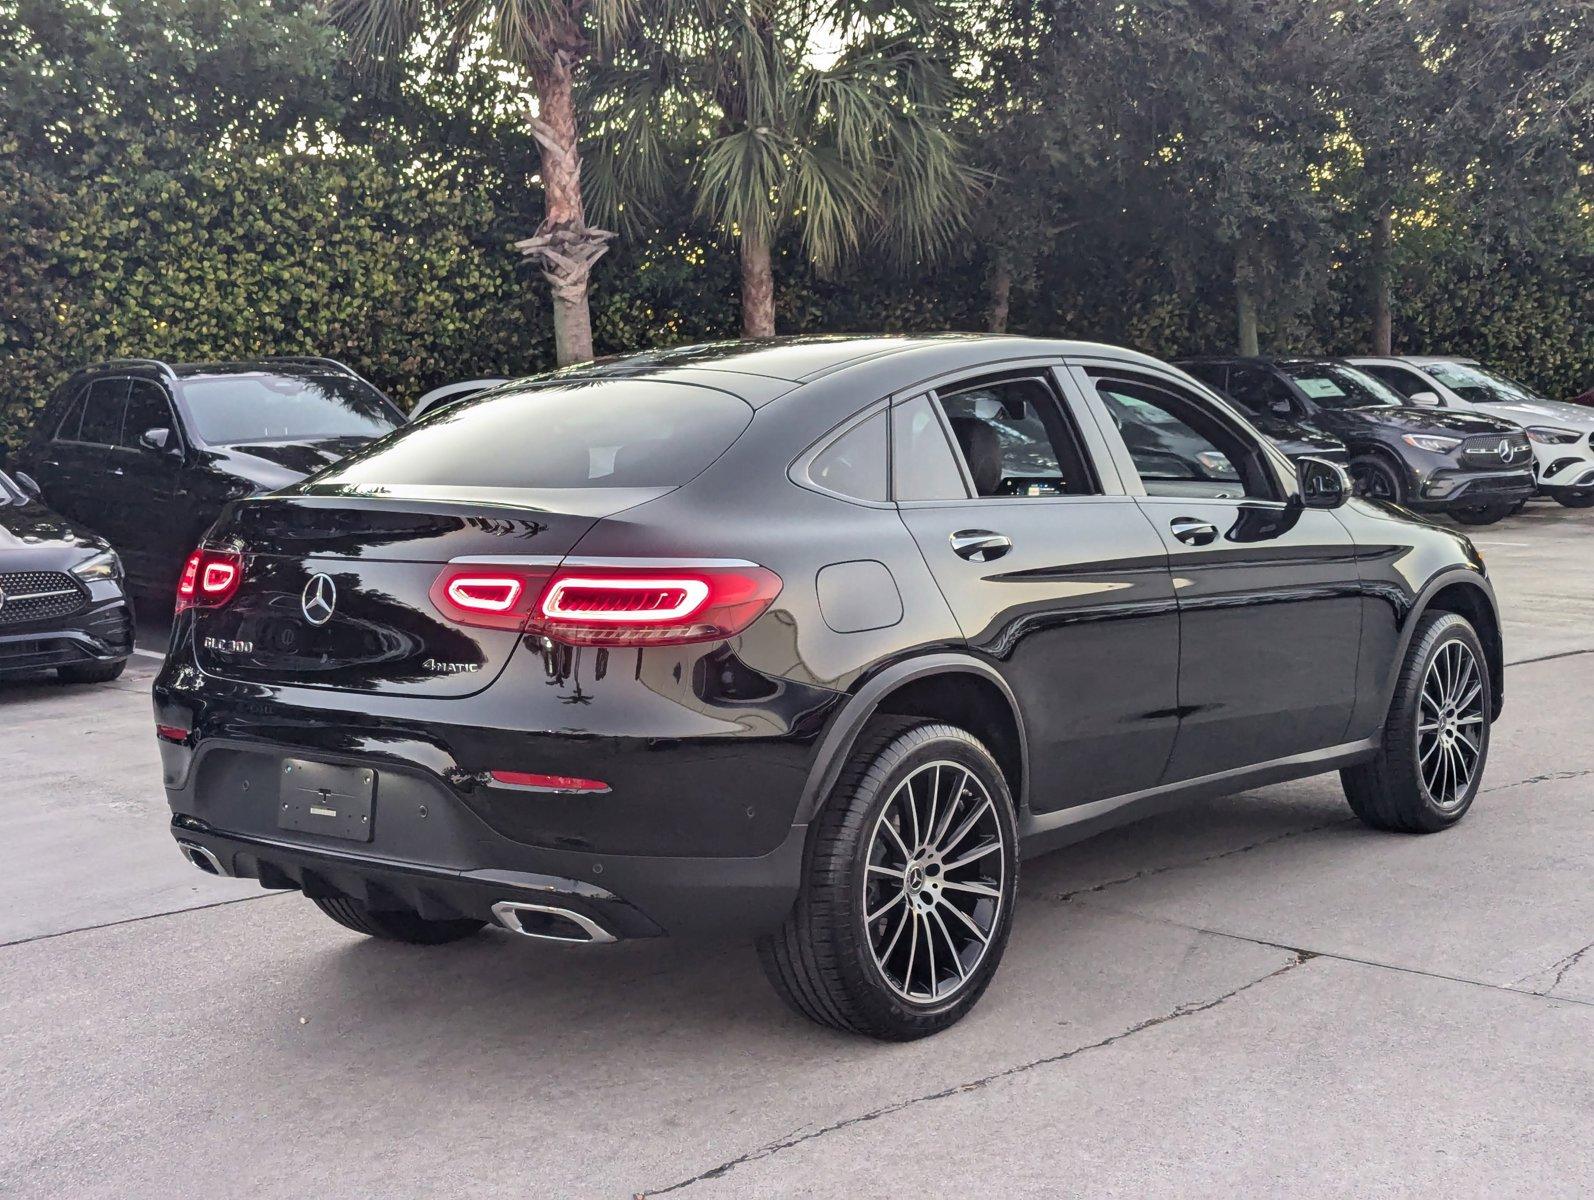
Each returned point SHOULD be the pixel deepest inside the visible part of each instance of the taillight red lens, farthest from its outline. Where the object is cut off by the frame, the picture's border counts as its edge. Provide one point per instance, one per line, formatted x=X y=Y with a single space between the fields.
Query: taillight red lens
x=209 y=579
x=608 y=606
x=489 y=596
x=652 y=606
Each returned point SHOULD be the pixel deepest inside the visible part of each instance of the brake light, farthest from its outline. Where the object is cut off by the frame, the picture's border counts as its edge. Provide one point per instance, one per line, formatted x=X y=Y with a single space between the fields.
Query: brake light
x=209 y=579
x=492 y=597
x=656 y=605
x=652 y=606
x=172 y=733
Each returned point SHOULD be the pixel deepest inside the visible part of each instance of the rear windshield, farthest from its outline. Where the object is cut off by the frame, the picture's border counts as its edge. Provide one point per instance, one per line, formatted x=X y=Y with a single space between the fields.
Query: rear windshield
x=597 y=434
x=267 y=407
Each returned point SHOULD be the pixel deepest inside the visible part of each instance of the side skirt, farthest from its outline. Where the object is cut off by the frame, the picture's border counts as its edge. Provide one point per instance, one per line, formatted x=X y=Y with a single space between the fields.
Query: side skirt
x=1039 y=833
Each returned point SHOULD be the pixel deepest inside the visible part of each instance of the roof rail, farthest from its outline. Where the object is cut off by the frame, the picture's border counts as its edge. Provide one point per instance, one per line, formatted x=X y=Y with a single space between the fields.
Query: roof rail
x=311 y=360
x=163 y=367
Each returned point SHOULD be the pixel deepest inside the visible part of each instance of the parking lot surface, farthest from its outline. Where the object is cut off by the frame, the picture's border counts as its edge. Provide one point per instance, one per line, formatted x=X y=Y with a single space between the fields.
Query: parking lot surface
x=1253 y=995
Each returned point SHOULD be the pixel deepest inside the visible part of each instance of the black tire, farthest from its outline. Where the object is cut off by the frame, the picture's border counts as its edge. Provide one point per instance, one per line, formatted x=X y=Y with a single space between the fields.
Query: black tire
x=1575 y=499
x=396 y=925
x=1377 y=479
x=823 y=960
x=91 y=672
x=1393 y=790
x=1482 y=514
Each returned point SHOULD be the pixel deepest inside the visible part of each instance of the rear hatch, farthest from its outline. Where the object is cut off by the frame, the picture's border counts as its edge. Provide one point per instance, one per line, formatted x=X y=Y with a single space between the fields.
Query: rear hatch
x=337 y=593
x=338 y=571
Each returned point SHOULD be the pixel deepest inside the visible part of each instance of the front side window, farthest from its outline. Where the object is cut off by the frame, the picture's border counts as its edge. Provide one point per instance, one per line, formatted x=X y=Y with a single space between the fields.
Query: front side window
x=1331 y=385
x=72 y=419
x=603 y=433
x=102 y=412
x=1258 y=391
x=146 y=410
x=1015 y=440
x=1178 y=448
x=267 y=407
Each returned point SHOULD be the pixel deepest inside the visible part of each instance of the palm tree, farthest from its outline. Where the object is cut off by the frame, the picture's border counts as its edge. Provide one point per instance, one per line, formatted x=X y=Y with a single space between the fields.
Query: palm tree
x=846 y=151
x=551 y=40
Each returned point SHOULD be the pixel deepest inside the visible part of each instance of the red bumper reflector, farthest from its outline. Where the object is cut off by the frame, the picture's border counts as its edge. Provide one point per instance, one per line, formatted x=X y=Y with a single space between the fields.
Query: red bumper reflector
x=547 y=783
x=172 y=733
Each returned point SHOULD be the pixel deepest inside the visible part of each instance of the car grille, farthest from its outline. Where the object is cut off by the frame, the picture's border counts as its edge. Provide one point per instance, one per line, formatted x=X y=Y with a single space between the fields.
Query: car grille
x=1506 y=450
x=39 y=596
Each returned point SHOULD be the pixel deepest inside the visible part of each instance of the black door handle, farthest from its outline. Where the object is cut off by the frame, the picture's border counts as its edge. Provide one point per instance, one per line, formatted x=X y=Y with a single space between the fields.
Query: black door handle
x=980 y=545
x=1193 y=531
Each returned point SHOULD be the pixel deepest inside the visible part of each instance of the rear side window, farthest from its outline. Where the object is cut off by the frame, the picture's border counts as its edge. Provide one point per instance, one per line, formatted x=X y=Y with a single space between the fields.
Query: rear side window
x=855 y=463
x=102 y=414
x=604 y=433
x=923 y=464
x=1407 y=383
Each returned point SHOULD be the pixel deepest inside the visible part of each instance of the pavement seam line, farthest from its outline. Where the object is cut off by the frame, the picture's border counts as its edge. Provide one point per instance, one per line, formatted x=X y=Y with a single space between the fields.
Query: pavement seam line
x=769 y=1149
x=1508 y=988
x=1522 y=662
x=172 y=912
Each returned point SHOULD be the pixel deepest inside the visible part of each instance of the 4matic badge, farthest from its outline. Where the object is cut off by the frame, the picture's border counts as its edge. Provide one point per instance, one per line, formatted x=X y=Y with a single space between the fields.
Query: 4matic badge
x=450 y=668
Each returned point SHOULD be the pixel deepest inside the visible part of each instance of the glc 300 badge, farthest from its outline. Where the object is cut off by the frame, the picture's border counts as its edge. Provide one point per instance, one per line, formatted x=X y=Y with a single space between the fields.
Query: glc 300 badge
x=447 y=668
x=229 y=645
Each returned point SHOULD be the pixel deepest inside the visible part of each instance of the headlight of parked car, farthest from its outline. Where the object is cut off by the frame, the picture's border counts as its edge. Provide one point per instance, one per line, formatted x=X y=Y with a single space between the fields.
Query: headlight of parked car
x=1547 y=435
x=1431 y=442
x=101 y=566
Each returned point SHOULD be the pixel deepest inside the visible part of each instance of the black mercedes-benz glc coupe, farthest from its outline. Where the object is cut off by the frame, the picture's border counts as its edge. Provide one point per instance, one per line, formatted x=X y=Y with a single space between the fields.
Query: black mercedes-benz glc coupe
x=62 y=605
x=812 y=639
x=1472 y=467
x=146 y=453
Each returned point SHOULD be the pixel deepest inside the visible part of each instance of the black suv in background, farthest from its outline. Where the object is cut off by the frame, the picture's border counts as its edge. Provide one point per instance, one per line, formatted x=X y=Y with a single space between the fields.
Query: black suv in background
x=809 y=639
x=1475 y=469
x=146 y=453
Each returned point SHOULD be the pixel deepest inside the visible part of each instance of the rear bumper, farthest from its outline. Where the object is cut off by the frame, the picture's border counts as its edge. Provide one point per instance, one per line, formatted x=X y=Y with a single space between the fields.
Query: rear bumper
x=638 y=898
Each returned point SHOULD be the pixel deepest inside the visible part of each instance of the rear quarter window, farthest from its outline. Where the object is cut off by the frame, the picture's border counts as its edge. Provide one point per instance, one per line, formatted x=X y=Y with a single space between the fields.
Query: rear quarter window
x=598 y=434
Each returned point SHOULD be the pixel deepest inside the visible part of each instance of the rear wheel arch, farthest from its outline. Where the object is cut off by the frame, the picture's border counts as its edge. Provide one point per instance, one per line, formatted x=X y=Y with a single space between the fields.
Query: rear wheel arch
x=954 y=688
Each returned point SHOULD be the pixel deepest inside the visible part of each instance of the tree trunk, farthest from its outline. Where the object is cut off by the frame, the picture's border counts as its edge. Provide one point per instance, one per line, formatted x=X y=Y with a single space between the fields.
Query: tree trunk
x=564 y=246
x=1001 y=295
x=1383 y=274
x=1245 y=308
x=758 y=287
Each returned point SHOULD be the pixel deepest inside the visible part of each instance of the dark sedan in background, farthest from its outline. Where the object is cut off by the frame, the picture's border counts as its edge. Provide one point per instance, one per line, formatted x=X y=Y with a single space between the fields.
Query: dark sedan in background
x=62 y=605
x=146 y=453
x=1473 y=468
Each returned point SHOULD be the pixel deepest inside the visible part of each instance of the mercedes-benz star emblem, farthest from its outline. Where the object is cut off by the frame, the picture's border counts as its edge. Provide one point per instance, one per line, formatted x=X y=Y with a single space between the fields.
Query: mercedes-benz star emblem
x=1507 y=451
x=319 y=599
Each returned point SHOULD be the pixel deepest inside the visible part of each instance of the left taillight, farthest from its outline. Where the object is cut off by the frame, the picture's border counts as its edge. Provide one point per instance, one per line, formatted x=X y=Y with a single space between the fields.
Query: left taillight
x=490 y=597
x=209 y=578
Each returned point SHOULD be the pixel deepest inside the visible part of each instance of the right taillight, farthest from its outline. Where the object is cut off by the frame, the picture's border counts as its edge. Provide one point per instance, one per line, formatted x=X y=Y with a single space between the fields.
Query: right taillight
x=209 y=578
x=655 y=605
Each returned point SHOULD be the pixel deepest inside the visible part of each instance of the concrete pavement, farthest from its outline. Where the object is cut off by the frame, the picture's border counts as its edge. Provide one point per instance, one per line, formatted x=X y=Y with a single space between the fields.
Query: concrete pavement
x=1253 y=994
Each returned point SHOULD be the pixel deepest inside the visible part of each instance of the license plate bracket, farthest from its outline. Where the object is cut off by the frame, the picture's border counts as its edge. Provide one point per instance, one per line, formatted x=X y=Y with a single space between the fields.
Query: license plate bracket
x=330 y=800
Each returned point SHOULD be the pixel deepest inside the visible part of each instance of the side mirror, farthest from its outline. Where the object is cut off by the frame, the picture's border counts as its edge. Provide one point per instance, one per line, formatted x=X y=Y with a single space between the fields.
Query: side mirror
x=1426 y=399
x=156 y=439
x=1323 y=484
x=29 y=484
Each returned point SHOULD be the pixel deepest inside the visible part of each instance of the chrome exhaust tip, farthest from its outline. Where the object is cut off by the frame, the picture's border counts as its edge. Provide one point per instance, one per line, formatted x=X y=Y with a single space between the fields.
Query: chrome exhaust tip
x=549 y=924
x=201 y=858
